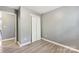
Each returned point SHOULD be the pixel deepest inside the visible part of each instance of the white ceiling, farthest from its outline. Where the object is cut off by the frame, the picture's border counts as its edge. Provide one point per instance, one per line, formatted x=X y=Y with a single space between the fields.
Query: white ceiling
x=42 y=9
x=38 y=9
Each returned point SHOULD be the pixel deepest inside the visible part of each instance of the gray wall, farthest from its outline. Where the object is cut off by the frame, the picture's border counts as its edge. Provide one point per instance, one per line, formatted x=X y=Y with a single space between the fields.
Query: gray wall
x=8 y=25
x=62 y=25
x=24 y=25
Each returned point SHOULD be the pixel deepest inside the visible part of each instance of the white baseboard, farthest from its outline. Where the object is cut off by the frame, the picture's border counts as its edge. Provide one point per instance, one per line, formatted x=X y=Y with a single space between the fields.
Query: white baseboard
x=8 y=39
x=21 y=45
x=68 y=47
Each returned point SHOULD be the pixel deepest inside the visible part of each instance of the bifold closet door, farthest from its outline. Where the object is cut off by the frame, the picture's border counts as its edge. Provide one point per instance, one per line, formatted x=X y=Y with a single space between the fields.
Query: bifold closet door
x=38 y=25
x=36 y=28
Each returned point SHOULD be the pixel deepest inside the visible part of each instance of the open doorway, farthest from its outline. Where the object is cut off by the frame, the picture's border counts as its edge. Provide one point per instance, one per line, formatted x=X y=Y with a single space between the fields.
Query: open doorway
x=7 y=28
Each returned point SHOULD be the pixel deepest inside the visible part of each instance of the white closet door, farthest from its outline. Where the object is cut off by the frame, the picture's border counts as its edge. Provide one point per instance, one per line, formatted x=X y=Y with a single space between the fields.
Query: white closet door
x=34 y=34
x=36 y=30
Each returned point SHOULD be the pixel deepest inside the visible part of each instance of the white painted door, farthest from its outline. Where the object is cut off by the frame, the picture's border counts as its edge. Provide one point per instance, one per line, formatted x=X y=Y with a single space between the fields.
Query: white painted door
x=34 y=34
x=35 y=28
x=38 y=28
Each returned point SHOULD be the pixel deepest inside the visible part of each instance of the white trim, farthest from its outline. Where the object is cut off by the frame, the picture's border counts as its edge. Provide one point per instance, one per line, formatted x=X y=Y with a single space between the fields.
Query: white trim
x=65 y=46
x=21 y=45
x=8 y=39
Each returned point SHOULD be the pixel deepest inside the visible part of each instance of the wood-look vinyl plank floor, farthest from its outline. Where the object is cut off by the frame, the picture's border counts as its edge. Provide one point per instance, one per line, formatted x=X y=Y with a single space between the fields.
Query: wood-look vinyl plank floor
x=39 y=46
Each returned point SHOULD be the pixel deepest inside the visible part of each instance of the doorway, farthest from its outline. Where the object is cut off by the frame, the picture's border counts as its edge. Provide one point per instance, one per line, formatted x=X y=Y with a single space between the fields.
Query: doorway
x=7 y=27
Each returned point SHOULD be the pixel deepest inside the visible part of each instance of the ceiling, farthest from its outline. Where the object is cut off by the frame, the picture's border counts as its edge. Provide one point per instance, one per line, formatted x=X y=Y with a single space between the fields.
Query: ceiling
x=42 y=9
x=38 y=9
